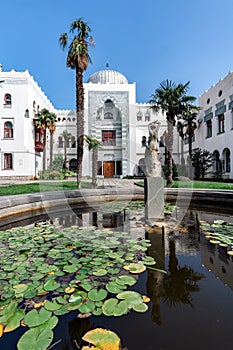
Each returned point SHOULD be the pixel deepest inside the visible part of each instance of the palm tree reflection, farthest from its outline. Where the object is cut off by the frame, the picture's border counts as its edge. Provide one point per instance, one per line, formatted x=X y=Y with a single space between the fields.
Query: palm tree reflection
x=175 y=287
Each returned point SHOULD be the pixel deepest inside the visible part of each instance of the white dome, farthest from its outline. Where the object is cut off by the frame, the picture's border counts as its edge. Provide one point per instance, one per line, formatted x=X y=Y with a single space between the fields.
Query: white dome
x=107 y=77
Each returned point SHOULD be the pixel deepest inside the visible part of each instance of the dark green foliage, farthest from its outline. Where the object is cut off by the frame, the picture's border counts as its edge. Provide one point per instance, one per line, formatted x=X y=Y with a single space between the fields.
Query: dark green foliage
x=202 y=161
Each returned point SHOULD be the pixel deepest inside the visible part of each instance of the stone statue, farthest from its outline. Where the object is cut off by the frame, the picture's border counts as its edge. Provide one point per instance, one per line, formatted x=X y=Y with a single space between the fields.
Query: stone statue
x=153 y=164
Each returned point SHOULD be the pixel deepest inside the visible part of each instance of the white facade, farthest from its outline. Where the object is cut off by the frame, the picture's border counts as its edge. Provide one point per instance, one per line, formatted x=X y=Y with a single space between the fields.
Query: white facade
x=215 y=125
x=20 y=99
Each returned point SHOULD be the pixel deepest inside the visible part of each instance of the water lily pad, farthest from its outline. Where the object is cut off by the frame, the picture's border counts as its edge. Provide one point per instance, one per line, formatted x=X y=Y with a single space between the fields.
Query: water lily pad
x=132 y=297
x=129 y=280
x=52 y=305
x=100 y=272
x=102 y=339
x=114 y=288
x=35 y=339
x=87 y=307
x=97 y=295
x=14 y=321
x=35 y=318
x=140 y=307
x=51 y=285
x=114 y=307
x=77 y=297
x=135 y=267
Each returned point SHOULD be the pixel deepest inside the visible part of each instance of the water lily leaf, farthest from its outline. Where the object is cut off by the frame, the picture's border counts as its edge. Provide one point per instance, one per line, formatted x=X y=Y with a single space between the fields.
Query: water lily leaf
x=132 y=297
x=87 y=307
x=102 y=339
x=148 y=260
x=52 y=305
x=129 y=280
x=109 y=306
x=230 y=252
x=69 y=290
x=135 y=267
x=70 y=268
x=100 y=272
x=1 y=329
x=98 y=311
x=97 y=295
x=114 y=288
x=77 y=297
x=34 y=318
x=20 y=288
x=86 y=286
x=140 y=307
x=51 y=285
x=8 y=311
x=35 y=339
x=14 y=322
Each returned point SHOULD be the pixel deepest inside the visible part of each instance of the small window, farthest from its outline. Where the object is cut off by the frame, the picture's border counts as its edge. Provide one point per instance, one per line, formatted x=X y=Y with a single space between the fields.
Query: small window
x=139 y=116
x=208 y=101
x=220 y=93
x=221 y=127
x=209 y=128
x=7 y=99
x=8 y=161
x=108 y=115
x=147 y=116
x=8 y=130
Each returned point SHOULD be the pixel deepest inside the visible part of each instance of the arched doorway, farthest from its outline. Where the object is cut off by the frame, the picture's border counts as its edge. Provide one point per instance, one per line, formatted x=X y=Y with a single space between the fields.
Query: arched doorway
x=217 y=165
x=73 y=164
x=226 y=160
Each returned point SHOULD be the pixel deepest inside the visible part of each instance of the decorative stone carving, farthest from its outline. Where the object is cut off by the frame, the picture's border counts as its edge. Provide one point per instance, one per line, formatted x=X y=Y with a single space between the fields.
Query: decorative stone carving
x=153 y=164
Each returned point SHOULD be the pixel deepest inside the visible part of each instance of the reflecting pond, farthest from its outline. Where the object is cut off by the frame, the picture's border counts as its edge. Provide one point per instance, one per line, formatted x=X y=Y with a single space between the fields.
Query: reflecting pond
x=191 y=306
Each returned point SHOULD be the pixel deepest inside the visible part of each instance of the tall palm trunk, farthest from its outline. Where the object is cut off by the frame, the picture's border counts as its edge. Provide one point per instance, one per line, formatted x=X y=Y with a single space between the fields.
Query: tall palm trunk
x=94 y=166
x=44 y=151
x=80 y=122
x=65 y=155
x=170 y=150
x=51 y=152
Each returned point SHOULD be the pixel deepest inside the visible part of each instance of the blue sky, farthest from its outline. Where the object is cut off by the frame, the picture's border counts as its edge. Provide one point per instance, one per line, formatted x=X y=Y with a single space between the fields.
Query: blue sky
x=148 y=41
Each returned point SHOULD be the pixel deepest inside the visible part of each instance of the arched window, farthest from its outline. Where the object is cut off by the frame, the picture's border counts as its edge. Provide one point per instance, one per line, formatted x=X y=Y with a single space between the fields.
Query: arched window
x=8 y=161
x=73 y=142
x=8 y=130
x=108 y=115
x=147 y=116
x=217 y=163
x=139 y=116
x=7 y=99
x=73 y=164
x=227 y=160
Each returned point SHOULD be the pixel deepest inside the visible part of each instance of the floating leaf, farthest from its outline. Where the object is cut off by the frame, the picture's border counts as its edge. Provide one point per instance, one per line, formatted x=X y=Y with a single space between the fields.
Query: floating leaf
x=69 y=290
x=103 y=339
x=34 y=318
x=114 y=288
x=132 y=297
x=51 y=285
x=97 y=295
x=52 y=305
x=87 y=307
x=100 y=272
x=140 y=307
x=129 y=280
x=77 y=297
x=35 y=339
x=14 y=322
x=135 y=267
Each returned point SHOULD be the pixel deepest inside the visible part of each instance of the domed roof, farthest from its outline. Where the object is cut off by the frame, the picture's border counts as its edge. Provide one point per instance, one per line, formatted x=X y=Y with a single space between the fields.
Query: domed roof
x=107 y=76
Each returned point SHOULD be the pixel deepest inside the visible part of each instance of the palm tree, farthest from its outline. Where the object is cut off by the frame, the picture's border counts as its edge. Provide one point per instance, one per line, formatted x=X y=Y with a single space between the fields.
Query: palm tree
x=46 y=119
x=66 y=136
x=173 y=100
x=93 y=146
x=78 y=59
x=180 y=129
x=191 y=125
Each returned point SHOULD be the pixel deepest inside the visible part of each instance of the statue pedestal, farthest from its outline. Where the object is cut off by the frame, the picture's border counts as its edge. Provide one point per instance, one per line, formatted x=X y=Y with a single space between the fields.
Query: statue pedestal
x=154 y=199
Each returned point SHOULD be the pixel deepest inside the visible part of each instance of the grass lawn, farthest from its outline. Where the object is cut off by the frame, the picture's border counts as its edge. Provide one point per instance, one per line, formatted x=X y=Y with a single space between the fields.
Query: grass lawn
x=72 y=185
x=199 y=184
x=41 y=187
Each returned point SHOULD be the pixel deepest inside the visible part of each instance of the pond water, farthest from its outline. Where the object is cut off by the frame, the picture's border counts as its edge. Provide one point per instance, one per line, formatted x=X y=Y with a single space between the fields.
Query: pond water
x=191 y=306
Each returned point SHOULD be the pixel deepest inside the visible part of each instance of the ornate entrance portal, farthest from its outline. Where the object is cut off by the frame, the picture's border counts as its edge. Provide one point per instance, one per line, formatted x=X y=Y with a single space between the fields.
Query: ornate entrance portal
x=109 y=169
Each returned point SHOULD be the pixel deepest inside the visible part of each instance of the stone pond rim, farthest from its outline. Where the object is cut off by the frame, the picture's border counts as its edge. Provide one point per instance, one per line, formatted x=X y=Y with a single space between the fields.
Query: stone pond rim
x=41 y=202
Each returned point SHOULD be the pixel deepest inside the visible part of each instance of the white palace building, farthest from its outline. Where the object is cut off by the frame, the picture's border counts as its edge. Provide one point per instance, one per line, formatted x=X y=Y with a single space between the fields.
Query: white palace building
x=113 y=117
